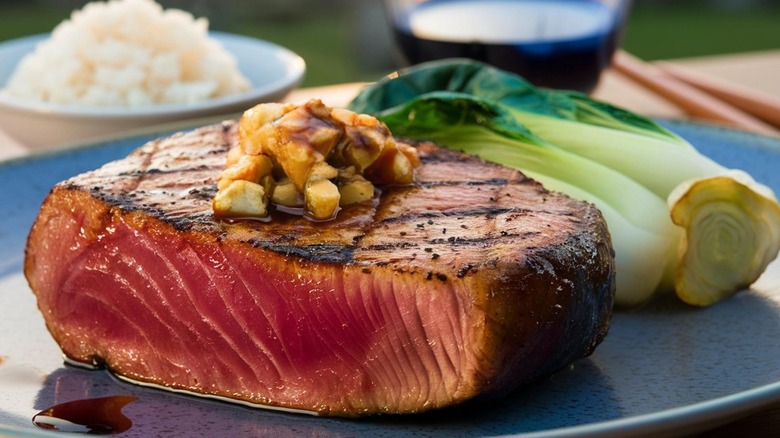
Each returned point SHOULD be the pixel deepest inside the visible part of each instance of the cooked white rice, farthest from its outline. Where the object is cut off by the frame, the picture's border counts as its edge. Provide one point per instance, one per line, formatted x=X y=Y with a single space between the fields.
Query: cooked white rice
x=127 y=53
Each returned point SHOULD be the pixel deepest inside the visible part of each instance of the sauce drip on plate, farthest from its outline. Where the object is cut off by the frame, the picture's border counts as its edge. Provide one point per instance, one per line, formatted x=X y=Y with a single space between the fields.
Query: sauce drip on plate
x=94 y=416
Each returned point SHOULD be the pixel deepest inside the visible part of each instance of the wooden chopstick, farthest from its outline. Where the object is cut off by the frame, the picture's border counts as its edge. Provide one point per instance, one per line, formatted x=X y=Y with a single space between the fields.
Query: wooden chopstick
x=693 y=101
x=766 y=108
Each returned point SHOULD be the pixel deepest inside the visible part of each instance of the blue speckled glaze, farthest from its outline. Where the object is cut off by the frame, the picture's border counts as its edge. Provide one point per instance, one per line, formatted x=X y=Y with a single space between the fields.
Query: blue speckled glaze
x=756 y=154
x=664 y=369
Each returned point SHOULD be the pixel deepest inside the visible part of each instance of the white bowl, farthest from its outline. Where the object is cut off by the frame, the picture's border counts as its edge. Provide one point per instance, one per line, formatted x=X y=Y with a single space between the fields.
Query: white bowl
x=272 y=70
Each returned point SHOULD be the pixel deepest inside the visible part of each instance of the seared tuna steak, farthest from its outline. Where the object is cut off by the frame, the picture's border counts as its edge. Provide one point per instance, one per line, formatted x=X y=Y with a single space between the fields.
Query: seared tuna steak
x=468 y=283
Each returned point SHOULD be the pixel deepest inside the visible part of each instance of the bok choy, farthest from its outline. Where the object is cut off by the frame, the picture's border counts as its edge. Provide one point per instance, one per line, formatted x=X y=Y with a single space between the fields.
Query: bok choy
x=678 y=219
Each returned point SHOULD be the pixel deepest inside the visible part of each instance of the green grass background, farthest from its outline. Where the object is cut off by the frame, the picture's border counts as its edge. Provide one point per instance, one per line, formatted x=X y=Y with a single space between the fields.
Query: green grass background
x=335 y=38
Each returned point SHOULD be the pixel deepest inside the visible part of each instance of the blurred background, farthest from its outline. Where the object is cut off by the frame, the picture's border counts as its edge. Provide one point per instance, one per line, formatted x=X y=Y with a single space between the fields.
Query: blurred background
x=348 y=40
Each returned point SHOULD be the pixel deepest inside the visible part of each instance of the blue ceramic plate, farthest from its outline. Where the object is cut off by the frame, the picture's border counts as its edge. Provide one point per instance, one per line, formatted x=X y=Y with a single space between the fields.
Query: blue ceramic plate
x=665 y=368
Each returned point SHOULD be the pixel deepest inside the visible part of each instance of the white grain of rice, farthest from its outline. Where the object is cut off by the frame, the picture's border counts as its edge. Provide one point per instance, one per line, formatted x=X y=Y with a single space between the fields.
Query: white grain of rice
x=127 y=53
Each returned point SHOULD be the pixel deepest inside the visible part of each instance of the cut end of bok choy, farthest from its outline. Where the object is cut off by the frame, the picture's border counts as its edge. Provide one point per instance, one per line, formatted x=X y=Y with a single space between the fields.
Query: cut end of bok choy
x=732 y=232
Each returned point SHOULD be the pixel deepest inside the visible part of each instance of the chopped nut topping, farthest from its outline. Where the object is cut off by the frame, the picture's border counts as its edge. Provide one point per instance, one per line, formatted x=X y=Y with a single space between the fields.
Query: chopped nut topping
x=309 y=156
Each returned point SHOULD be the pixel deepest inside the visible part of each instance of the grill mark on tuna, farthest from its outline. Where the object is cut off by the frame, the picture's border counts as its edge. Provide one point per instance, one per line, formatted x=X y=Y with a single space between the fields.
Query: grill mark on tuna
x=451 y=241
x=463 y=270
x=319 y=253
x=465 y=213
x=126 y=201
x=499 y=182
x=184 y=223
x=141 y=173
x=204 y=193
x=148 y=157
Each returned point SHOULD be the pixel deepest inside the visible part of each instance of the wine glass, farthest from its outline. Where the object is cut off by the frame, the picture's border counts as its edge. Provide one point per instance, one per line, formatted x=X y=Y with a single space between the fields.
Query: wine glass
x=563 y=44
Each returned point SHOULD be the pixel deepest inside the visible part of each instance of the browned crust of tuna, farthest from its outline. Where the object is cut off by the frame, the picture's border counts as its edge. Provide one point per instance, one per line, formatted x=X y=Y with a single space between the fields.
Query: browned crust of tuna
x=532 y=270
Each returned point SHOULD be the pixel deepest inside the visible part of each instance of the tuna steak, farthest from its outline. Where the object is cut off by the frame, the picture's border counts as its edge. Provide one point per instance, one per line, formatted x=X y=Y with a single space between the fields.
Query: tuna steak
x=465 y=285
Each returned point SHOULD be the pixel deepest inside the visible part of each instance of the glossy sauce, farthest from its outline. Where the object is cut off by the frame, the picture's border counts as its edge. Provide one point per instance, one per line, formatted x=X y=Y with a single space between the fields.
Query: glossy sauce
x=552 y=43
x=282 y=214
x=94 y=416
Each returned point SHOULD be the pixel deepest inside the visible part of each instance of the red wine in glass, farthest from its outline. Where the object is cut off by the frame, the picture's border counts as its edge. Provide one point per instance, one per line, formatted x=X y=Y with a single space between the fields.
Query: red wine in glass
x=563 y=44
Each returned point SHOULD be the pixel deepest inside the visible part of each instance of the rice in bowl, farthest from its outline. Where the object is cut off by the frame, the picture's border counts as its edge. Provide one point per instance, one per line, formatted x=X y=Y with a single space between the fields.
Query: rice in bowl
x=127 y=53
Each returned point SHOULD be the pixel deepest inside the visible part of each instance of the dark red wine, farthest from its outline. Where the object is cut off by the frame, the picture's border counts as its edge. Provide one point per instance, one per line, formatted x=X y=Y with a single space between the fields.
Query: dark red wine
x=562 y=44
